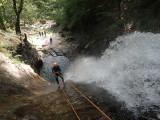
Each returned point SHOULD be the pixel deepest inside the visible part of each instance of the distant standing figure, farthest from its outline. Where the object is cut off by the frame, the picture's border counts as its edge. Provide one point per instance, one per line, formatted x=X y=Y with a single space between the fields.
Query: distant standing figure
x=40 y=34
x=45 y=33
x=50 y=40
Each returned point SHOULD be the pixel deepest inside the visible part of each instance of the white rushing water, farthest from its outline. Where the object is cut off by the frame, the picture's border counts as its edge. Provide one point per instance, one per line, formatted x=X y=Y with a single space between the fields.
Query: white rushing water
x=129 y=69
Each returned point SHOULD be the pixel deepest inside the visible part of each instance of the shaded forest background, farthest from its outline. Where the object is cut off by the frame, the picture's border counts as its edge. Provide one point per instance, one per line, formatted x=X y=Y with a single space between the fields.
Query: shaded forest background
x=93 y=22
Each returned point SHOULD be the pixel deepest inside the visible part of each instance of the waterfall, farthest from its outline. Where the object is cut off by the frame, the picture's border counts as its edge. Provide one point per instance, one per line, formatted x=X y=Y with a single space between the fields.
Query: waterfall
x=129 y=69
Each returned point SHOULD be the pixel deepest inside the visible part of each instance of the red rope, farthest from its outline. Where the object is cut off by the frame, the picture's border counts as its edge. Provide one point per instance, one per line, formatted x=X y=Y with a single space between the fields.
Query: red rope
x=71 y=105
x=89 y=101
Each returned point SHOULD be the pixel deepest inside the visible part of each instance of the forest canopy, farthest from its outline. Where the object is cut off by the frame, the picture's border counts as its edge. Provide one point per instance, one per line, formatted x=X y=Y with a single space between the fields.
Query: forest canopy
x=81 y=14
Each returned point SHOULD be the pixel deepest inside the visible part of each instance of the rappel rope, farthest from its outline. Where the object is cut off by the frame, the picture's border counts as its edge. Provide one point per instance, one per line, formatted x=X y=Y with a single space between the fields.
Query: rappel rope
x=71 y=105
x=89 y=101
x=86 y=99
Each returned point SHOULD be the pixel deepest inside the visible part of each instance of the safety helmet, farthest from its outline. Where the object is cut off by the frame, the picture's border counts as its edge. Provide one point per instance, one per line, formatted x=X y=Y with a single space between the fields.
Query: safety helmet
x=55 y=64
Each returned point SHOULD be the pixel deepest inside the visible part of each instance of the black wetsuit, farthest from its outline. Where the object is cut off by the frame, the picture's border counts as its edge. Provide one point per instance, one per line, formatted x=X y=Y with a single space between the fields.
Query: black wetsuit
x=57 y=69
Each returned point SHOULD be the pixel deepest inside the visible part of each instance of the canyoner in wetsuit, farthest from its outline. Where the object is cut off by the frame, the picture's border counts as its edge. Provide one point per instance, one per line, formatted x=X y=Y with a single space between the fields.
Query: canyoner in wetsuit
x=56 y=70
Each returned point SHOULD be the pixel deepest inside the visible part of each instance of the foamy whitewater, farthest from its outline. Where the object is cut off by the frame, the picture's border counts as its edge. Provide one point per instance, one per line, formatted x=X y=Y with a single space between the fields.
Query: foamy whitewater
x=129 y=69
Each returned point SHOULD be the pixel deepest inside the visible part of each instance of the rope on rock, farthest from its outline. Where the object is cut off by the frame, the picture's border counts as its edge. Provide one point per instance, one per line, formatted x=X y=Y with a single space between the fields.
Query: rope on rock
x=86 y=99
x=89 y=101
x=71 y=105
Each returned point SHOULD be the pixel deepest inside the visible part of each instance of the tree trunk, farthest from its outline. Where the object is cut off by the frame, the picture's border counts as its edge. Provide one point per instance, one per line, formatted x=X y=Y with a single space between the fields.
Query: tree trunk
x=18 y=12
x=17 y=25
x=2 y=26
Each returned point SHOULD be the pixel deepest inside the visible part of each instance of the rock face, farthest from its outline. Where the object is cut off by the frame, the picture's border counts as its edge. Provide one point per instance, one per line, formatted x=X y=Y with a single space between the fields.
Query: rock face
x=29 y=55
x=16 y=79
x=16 y=83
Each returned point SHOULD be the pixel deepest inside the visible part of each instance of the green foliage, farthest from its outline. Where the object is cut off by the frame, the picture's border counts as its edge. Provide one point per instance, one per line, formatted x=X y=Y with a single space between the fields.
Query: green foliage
x=8 y=54
x=48 y=31
x=111 y=14
x=30 y=13
x=79 y=14
x=1 y=44
x=73 y=13
x=8 y=13
x=82 y=13
x=17 y=61
x=7 y=47
x=15 y=58
x=45 y=8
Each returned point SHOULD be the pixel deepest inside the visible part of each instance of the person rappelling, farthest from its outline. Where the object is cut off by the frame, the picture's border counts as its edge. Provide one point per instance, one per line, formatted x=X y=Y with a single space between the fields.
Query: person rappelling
x=56 y=70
